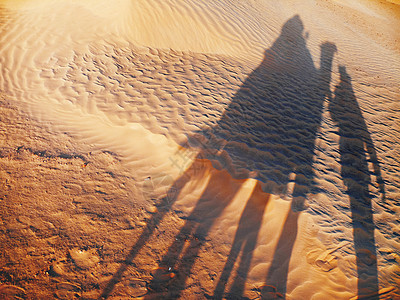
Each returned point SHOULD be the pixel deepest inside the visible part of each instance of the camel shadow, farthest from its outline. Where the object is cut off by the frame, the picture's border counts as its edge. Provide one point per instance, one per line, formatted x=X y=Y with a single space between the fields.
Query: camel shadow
x=268 y=132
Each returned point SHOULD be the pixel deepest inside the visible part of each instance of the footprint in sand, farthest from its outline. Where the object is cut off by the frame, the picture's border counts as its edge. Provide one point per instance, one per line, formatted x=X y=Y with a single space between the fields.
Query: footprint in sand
x=84 y=259
x=67 y=290
x=321 y=259
x=268 y=292
x=11 y=292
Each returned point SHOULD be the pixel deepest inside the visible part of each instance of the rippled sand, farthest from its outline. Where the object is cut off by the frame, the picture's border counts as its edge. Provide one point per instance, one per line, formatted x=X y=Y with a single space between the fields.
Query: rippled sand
x=199 y=149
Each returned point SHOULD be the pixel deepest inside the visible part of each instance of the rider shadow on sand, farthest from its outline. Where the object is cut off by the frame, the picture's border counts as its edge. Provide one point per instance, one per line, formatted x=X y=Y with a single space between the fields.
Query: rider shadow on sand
x=356 y=151
x=268 y=132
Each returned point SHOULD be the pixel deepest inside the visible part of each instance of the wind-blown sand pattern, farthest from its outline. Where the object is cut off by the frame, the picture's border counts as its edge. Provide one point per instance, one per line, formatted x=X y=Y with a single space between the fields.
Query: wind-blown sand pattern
x=200 y=149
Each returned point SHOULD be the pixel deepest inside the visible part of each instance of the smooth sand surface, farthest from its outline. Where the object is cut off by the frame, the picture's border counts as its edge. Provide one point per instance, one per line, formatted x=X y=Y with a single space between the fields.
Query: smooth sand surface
x=199 y=149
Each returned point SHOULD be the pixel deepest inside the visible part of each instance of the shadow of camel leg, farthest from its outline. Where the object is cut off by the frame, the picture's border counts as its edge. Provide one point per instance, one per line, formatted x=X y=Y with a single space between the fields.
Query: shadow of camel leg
x=244 y=243
x=152 y=224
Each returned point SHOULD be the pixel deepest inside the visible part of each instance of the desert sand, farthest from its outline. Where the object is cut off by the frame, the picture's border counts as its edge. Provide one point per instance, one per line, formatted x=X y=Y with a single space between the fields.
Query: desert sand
x=199 y=149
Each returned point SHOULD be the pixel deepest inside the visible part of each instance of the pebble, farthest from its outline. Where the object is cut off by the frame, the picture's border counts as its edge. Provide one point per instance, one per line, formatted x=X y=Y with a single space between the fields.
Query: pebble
x=152 y=209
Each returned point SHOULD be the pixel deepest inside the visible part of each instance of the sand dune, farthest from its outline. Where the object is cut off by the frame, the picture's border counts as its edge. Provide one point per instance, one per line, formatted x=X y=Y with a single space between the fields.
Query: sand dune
x=200 y=150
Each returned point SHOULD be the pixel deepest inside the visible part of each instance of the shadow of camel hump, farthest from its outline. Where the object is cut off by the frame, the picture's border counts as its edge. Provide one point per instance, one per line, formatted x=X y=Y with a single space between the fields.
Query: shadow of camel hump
x=356 y=150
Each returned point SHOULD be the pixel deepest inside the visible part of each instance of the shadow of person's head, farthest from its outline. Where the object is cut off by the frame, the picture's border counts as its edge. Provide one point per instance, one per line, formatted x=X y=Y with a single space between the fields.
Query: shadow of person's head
x=293 y=27
x=289 y=53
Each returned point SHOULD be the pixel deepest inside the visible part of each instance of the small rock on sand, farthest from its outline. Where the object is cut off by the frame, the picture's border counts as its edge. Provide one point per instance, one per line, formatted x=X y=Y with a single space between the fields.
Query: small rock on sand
x=152 y=209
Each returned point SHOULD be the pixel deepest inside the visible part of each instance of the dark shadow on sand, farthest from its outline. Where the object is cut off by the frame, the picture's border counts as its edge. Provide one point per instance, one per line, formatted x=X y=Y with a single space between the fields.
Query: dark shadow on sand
x=244 y=244
x=269 y=131
x=185 y=249
x=356 y=150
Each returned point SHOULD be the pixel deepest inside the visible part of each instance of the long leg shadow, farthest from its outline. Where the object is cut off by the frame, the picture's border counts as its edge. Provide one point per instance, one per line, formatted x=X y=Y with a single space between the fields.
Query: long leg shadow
x=152 y=224
x=244 y=243
x=356 y=151
x=182 y=254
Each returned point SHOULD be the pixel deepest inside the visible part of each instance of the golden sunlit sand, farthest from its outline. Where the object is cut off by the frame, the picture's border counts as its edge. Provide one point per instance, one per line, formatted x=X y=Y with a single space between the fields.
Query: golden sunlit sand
x=199 y=149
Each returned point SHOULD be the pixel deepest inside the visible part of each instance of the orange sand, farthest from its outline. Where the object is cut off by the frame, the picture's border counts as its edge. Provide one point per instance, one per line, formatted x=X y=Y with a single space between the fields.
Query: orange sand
x=199 y=149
